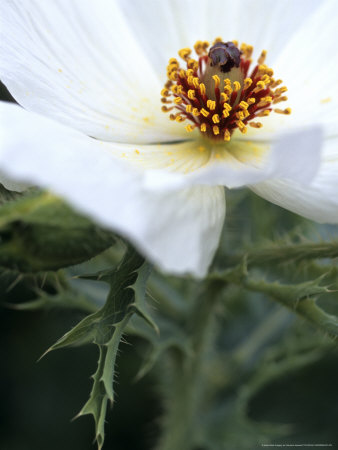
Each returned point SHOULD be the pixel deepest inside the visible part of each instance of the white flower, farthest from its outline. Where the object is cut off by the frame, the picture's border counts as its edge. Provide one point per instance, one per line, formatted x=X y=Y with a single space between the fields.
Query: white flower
x=89 y=75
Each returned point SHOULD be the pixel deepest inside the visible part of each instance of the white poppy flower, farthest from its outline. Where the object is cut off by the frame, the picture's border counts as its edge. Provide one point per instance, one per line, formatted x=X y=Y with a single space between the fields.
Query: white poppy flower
x=89 y=75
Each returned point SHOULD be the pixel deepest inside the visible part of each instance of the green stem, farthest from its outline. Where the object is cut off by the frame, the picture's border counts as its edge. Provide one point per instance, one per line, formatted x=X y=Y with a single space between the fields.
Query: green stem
x=188 y=380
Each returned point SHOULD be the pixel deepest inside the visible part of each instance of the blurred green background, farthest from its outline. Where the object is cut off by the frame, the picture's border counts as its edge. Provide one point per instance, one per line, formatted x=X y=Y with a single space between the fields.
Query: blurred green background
x=39 y=399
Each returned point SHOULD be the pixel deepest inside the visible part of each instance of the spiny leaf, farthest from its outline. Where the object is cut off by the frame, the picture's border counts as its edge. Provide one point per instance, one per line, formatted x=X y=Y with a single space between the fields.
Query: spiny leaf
x=105 y=328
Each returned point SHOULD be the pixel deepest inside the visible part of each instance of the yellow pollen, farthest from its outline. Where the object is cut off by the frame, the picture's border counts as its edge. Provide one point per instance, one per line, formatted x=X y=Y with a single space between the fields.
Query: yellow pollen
x=190 y=80
x=243 y=105
x=165 y=92
x=259 y=87
x=195 y=112
x=192 y=64
x=227 y=82
x=190 y=128
x=203 y=128
x=226 y=113
x=227 y=135
x=202 y=88
x=281 y=90
x=240 y=115
x=211 y=104
x=283 y=111
x=182 y=73
x=237 y=85
x=188 y=108
x=247 y=83
x=191 y=94
x=196 y=82
x=189 y=73
x=228 y=89
x=276 y=83
x=204 y=112
x=218 y=39
x=215 y=130
x=251 y=101
x=224 y=97
x=227 y=107
x=216 y=80
x=280 y=99
x=264 y=113
x=235 y=42
x=178 y=100
x=137 y=152
x=166 y=109
x=255 y=124
x=179 y=118
x=215 y=118
x=184 y=53
x=261 y=59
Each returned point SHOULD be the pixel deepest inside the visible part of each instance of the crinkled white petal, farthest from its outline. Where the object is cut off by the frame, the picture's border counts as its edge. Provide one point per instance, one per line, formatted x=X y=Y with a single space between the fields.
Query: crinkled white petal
x=266 y=24
x=178 y=230
x=317 y=201
x=77 y=62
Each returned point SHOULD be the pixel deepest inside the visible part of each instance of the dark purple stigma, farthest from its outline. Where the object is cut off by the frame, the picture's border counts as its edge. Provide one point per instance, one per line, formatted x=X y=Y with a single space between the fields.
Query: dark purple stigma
x=226 y=55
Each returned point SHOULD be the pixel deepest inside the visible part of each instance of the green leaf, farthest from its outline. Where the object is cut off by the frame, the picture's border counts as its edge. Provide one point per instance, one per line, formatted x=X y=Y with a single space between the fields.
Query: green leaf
x=105 y=328
x=39 y=232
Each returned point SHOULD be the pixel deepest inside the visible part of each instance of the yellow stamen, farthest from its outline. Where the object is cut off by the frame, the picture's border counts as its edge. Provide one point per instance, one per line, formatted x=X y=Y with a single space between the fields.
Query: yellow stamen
x=280 y=99
x=202 y=88
x=195 y=112
x=165 y=92
x=191 y=94
x=184 y=53
x=226 y=113
x=255 y=124
x=243 y=105
x=227 y=135
x=215 y=118
x=237 y=85
x=188 y=108
x=166 y=109
x=196 y=82
x=218 y=39
x=178 y=100
x=215 y=130
x=264 y=113
x=224 y=97
x=251 y=101
x=211 y=104
x=204 y=112
x=190 y=128
x=227 y=107
x=261 y=59
x=283 y=111
x=203 y=127
x=247 y=83
x=180 y=118
x=216 y=80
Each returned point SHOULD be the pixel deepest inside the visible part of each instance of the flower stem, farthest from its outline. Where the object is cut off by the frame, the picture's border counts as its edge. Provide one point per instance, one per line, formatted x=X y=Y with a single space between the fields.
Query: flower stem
x=184 y=398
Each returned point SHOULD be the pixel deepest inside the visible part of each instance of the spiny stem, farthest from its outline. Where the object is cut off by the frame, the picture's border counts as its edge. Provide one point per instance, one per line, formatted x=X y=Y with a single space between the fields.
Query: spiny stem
x=185 y=397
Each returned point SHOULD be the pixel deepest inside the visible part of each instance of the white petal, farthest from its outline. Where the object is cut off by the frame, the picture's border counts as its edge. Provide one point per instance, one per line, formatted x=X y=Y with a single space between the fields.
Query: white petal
x=165 y=27
x=179 y=231
x=294 y=156
x=308 y=66
x=319 y=200
x=77 y=62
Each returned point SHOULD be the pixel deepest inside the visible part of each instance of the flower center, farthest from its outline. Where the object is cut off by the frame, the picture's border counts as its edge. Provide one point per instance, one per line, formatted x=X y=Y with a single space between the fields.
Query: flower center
x=220 y=91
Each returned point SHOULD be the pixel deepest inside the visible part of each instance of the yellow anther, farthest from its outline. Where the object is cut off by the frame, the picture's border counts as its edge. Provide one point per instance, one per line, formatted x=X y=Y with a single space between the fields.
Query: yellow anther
x=227 y=107
x=243 y=130
x=261 y=59
x=240 y=115
x=246 y=113
x=205 y=45
x=184 y=53
x=251 y=101
x=276 y=83
x=259 y=86
x=198 y=47
x=165 y=92
x=264 y=113
x=189 y=128
x=180 y=118
x=227 y=135
x=195 y=112
x=226 y=113
x=203 y=127
x=166 y=109
x=173 y=60
x=280 y=99
x=247 y=83
x=246 y=50
x=227 y=82
x=235 y=43
x=211 y=104
x=165 y=100
x=204 y=112
x=240 y=124
x=255 y=124
x=178 y=100
x=215 y=118
x=189 y=72
x=283 y=111
x=177 y=89
x=202 y=88
x=280 y=91
x=188 y=108
x=244 y=105
x=182 y=73
x=218 y=39
x=228 y=89
x=195 y=82
x=237 y=85
x=192 y=64
x=215 y=130
x=173 y=76
x=191 y=94
x=266 y=79
x=224 y=97
x=172 y=117
x=190 y=80
x=216 y=80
